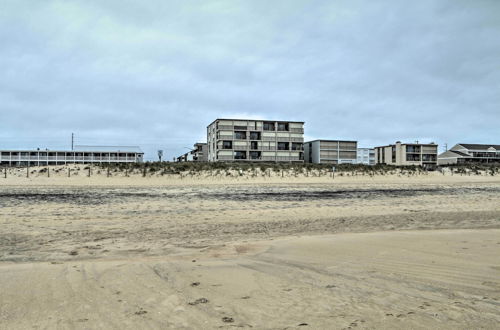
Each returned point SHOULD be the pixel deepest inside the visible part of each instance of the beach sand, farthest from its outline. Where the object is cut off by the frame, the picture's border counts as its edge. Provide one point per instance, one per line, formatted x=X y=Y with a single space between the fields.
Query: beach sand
x=413 y=252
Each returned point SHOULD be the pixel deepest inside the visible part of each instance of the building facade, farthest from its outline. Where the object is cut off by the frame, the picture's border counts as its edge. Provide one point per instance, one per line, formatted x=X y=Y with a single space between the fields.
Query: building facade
x=466 y=153
x=255 y=140
x=187 y=157
x=366 y=156
x=406 y=154
x=198 y=154
x=330 y=152
x=80 y=155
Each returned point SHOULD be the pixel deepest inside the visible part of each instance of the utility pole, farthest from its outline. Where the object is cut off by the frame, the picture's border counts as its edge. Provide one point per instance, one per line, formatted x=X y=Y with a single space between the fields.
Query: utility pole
x=72 y=140
x=160 y=154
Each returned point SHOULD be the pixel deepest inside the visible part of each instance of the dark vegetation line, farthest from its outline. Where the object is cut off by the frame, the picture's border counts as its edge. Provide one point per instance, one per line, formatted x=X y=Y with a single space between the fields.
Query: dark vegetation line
x=176 y=168
x=294 y=169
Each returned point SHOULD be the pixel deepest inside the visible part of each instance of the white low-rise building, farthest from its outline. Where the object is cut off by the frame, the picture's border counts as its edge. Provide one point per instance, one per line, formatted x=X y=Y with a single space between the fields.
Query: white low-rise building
x=80 y=155
x=366 y=156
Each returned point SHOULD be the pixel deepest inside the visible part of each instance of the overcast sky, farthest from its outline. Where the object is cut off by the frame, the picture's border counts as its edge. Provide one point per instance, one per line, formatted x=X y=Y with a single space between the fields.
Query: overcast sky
x=156 y=73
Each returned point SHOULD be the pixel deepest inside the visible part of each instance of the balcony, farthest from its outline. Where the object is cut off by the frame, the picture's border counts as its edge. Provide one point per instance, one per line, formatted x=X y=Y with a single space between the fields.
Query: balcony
x=269 y=126
x=255 y=136
x=411 y=158
x=238 y=135
x=225 y=127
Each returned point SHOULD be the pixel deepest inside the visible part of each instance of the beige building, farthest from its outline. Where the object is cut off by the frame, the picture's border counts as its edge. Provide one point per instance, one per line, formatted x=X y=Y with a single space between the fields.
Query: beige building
x=255 y=140
x=406 y=154
x=330 y=152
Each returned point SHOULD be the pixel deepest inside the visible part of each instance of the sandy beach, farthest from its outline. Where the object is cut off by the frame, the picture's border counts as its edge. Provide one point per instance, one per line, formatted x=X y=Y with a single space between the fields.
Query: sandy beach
x=275 y=252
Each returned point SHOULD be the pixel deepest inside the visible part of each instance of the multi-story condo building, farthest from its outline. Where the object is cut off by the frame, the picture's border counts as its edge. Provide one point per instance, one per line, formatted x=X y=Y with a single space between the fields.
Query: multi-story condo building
x=366 y=156
x=80 y=155
x=465 y=153
x=404 y=154
x=198 y=154
x=330 y=152
x=255 y=140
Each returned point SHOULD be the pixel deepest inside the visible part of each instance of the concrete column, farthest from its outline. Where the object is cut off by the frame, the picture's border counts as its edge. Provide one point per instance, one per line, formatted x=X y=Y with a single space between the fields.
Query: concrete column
x=399 y=154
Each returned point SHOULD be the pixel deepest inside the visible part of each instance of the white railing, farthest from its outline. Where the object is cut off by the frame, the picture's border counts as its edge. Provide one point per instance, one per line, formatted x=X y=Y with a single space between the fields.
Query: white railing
x=65 y=159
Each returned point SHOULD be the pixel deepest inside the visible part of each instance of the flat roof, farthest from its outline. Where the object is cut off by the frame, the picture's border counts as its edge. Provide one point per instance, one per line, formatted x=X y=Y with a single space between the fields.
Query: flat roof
x=409 y=144
x=108 y=148
x=124 y=149
x=323 y=140
x=278 y=121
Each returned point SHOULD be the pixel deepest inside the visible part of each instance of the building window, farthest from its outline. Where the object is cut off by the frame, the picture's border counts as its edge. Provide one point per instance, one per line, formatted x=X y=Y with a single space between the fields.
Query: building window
x=254 y=145
x=283 y=127
x=413 y=157
x=254 y=135
x=239 y=135
x=283 y=146
x=255 y=155
x=413 y=149
x=227 y=144
x=297 y=146
x=269 y=126
x=240 y=155
x=429 y=158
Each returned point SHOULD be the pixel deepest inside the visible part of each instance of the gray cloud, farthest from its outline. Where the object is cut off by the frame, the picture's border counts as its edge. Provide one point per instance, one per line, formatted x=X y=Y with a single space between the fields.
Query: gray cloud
x=121 y=72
